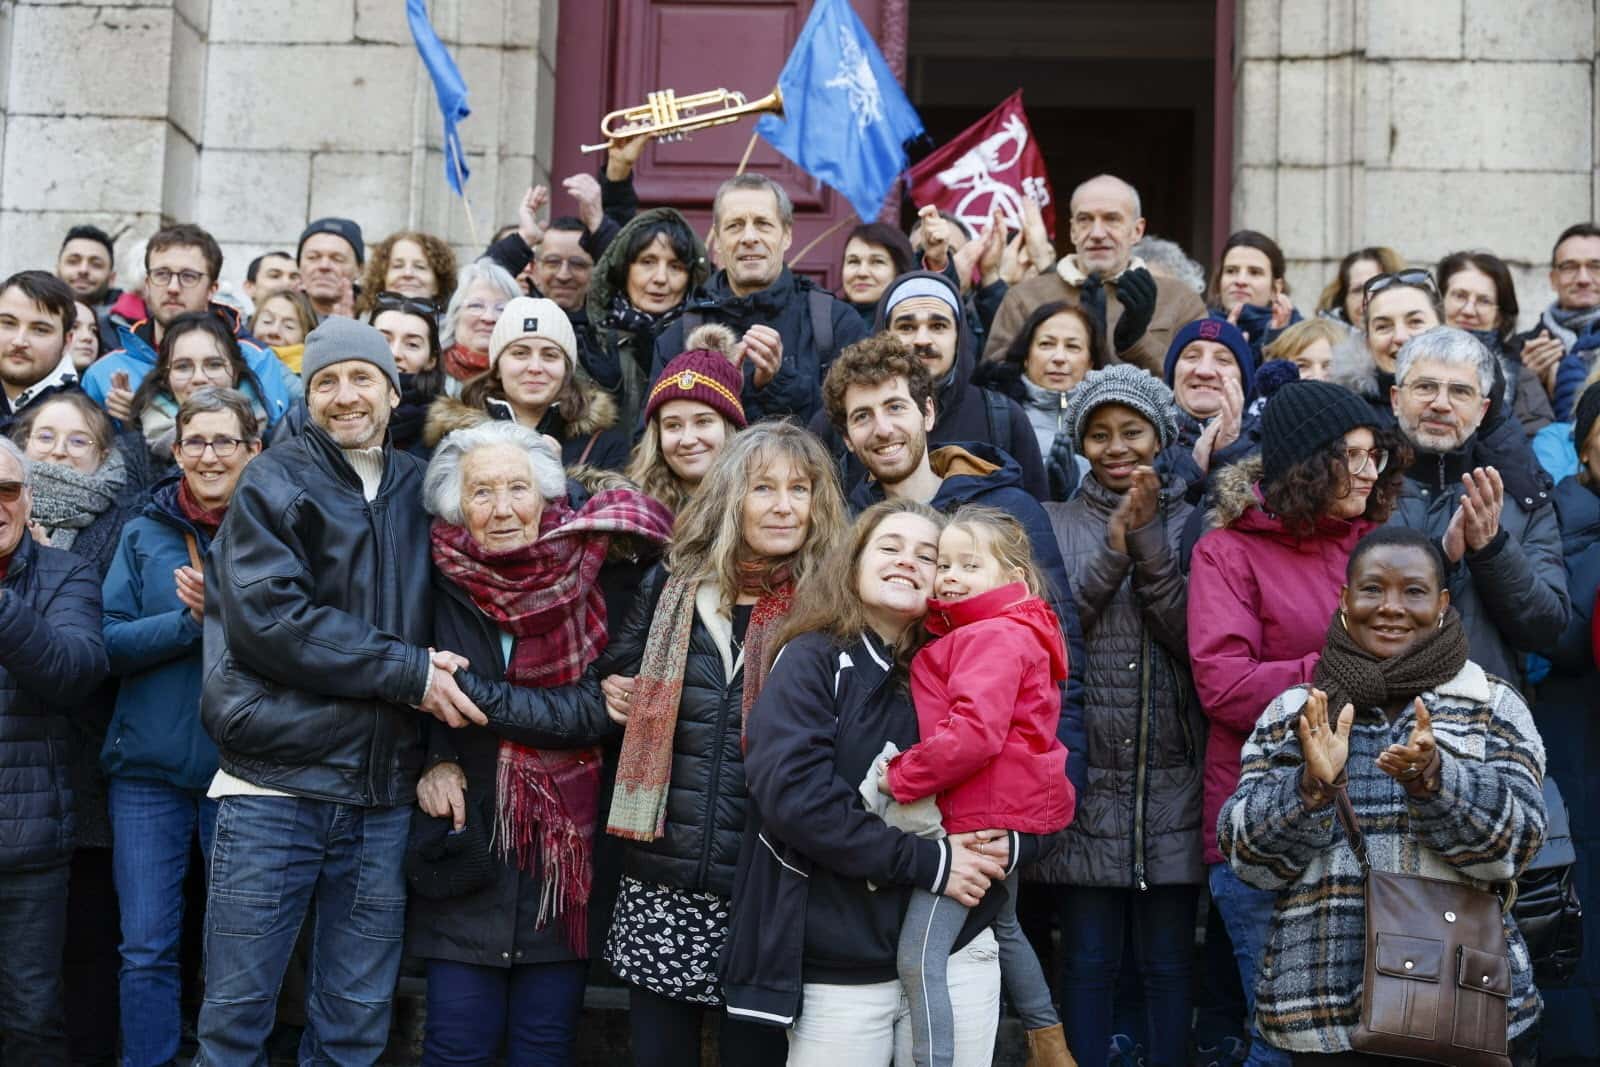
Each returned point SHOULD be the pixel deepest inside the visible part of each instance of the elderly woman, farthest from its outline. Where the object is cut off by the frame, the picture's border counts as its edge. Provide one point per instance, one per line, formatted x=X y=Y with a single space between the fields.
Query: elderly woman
x=654 y=264
x=483 y=289
x=197 y=350
x=158 y=758
x=1442 y=766
x=1250 y=290
x=683 y=674
x=411 y=263
x=875 y=254
x=1057 y=345
x=693 y=411
x=1261 y=586
x=533 y=379
x=821 y=902
x=499 y=916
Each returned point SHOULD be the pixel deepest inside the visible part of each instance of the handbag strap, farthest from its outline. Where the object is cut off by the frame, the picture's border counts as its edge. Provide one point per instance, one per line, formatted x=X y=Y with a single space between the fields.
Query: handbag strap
x=194 y=551
x=1352 y=827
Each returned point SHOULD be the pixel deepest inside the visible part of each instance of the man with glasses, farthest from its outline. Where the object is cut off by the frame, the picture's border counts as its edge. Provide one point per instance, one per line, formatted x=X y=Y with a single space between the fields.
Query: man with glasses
x=1507 y=577
x=1568 y=334
x=182 y=264
x=52 y=657
x=36 y=316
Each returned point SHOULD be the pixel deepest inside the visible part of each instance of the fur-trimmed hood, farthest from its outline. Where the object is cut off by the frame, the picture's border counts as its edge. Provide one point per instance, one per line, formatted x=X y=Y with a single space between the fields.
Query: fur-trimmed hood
x=447 y=414
x=1352 y=366
x=1233 y=492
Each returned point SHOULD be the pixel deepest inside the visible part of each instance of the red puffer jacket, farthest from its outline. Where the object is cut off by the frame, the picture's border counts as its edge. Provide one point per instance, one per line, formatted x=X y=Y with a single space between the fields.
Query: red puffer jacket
x=988 y=700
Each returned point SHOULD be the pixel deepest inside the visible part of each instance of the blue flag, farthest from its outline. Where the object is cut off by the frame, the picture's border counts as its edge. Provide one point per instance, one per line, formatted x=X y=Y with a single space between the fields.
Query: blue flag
x=447 y=85
x=845 y=117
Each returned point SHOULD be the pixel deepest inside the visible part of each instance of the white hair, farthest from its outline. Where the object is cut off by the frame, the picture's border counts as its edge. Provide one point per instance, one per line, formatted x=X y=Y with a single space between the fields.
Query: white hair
x=1133 y=194
x=1448 y=345
x=11 y=449
x=480 y=270
x=441 y=486
x=1168 y=257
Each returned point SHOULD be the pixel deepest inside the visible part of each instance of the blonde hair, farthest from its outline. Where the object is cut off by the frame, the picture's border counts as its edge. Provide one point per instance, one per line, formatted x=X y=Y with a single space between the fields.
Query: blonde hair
x=708 y=542
x=648 y=468
x=1302 y=335
x=1001 y=536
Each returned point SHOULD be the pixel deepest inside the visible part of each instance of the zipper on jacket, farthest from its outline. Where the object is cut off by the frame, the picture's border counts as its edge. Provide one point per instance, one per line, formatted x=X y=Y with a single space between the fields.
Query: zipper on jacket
x=713 y=786
x=1142 y=755
x=377 y=716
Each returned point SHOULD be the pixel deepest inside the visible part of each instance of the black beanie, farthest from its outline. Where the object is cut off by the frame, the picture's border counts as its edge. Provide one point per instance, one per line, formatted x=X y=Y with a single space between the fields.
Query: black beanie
x=1584 y=414
x=1302 y=419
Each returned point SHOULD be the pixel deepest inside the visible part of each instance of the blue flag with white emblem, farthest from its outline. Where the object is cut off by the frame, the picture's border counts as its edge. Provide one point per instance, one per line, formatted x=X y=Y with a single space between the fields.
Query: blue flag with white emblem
x=845 y=118
x=448 y=86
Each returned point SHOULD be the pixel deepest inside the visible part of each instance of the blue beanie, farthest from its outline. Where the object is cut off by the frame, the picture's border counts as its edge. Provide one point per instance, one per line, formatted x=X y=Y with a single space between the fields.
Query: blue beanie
x=1222 y=332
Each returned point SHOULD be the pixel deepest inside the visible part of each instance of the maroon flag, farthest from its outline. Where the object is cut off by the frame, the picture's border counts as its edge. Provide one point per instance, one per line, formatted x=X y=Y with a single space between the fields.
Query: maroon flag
x=992 y=165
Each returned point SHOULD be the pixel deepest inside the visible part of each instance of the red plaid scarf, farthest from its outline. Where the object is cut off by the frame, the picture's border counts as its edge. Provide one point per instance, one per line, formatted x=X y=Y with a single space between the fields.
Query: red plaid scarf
x=463 y=364
x=546 y=596
x=644 y=767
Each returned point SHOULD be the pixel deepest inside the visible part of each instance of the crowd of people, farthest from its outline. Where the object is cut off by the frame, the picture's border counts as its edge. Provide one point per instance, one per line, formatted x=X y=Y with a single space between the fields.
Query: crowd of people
x=830 y=669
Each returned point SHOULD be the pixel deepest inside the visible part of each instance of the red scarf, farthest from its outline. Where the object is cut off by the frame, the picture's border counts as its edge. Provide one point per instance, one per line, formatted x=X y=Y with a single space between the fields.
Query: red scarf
x=208 y=519
x=546 y=596
x=463 y=363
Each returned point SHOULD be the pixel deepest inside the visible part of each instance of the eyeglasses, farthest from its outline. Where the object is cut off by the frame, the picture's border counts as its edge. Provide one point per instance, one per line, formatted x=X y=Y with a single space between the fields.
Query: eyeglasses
x=211 y=368
x=1356 y=459
x=1461 y=298
x=77 y=443
x=1427 y=390
x=195 y=447
x=1415 y=279
x=576 y=264
x=411 y=305
x=477 y=307
x=10 y=492
x=187 y=279
x=1569 y=268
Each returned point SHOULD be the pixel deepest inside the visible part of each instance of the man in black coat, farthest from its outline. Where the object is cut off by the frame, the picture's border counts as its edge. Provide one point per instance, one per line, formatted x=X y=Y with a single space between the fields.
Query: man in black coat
x=318 y=626
x=789 y=329
x=52 y=657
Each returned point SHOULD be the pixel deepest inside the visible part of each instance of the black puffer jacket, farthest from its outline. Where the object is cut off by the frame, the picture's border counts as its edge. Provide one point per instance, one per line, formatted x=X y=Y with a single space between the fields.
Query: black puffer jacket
x=498 y=925
x=1138 y=822
x=707 y=797
x=52 y=656
x=319 y=615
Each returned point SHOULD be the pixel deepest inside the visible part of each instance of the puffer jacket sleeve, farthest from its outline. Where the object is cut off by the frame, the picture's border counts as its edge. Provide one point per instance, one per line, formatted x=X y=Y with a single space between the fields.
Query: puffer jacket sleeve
x=260 y=588
x=1225 y=641
x=1488 y=819
x=1265 y=832
x=564 y=716
x=54 y=649
x=789 y=764
x=1522 y=582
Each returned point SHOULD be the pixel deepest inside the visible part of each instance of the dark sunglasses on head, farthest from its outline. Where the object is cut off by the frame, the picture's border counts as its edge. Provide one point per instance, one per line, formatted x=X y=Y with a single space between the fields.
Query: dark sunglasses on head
x=10 y=492
x=1413 y=278
x=391 y=301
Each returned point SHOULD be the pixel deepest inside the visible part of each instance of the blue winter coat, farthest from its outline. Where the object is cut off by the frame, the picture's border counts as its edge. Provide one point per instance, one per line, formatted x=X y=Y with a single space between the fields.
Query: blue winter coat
x=51 y=659
x=153 y=643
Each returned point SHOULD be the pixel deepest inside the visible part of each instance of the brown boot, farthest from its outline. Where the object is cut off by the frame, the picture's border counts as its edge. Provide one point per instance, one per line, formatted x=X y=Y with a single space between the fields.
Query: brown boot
x=1048 y=1048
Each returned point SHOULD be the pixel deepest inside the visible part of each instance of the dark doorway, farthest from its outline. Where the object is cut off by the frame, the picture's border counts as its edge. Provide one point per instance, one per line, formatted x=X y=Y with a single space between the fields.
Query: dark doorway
x=1118 y=86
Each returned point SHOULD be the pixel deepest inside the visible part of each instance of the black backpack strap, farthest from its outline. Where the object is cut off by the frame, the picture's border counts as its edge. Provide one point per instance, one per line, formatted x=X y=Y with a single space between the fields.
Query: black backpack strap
x=820 y=301
x=999 y=411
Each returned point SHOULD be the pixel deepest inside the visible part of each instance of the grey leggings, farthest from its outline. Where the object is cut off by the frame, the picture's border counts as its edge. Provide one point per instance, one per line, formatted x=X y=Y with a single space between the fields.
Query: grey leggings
x=927 y=936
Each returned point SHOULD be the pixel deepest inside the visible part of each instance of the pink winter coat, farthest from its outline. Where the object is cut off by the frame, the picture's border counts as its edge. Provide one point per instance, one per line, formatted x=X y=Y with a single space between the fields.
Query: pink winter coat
x=988 y=701
x=1260 y=600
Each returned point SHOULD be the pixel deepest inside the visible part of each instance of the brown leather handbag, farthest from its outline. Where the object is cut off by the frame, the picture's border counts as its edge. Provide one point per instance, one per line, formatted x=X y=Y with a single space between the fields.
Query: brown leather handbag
x=1438 y=975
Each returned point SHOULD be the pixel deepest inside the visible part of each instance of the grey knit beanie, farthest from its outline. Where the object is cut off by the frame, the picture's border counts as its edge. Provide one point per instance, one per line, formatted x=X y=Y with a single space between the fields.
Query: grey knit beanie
x=1124 y=384
x=339 y=339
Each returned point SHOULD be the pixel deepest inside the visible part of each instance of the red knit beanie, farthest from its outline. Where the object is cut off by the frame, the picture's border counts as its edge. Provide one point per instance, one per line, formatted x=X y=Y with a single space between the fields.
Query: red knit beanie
x=703 y=372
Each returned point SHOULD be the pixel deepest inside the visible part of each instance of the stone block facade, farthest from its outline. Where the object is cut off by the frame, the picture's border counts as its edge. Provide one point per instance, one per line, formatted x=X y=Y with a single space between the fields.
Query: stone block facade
x=251 y=116
x=1426 y=125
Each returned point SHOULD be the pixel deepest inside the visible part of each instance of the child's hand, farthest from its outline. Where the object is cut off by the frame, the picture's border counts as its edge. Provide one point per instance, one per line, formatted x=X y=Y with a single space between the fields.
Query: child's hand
x=883 y=785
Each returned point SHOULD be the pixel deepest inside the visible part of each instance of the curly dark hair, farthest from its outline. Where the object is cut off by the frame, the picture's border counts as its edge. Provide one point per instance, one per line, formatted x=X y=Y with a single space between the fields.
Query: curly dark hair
x=873 y=361
x=1308 y=489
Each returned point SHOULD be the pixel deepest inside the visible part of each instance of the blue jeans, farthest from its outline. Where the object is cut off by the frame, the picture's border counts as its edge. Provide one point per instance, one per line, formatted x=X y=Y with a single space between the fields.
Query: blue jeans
x=473 y=1010
x=1094 y=924
x=271 y=858
x=153 y=827
x=1247 y=913
x=33 y=929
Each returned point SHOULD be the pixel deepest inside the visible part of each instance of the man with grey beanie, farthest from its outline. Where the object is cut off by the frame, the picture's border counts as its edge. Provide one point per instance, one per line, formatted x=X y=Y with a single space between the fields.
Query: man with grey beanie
x=318 y=630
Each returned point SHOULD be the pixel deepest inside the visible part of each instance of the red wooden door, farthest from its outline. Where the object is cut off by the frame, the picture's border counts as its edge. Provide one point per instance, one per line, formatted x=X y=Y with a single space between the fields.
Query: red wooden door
x=611 y=54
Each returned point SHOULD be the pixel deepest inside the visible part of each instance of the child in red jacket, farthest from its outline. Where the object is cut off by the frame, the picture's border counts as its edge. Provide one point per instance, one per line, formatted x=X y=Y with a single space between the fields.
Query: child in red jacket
x=988 y=698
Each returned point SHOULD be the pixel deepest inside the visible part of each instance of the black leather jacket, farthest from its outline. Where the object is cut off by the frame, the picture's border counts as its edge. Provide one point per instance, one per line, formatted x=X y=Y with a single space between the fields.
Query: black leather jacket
x=319 y=614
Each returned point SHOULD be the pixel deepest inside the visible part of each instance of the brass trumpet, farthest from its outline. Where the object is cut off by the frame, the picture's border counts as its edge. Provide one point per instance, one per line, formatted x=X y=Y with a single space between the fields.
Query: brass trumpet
x=670 y=117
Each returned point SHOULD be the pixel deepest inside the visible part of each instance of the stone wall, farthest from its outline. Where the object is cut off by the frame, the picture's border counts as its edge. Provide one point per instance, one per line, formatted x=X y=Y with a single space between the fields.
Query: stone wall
x=1427 y=125
x=252 y=116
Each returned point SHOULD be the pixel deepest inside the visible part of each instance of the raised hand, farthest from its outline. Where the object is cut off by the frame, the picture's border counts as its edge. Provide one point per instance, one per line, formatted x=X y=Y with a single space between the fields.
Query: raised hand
x=1481 y=505
x=935 y=238
x=1041 y=251
x=119 y=401
x=622 y=156
x=1282 y=310
x=1411 y=761
x=1326 y=746
x=528 y=226
x=585 y=189
x=191 y=588
x=762 y=346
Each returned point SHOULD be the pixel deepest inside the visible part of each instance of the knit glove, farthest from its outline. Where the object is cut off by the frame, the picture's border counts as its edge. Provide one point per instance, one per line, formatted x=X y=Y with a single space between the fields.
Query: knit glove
x=1136 y=292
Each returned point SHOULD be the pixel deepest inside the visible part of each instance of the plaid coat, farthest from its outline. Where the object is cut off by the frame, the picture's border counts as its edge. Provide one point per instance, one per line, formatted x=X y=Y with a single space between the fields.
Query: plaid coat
x=1481 y=828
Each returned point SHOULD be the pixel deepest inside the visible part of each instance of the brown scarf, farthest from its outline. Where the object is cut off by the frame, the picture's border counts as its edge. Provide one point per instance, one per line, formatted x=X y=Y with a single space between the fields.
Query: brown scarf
x=546 y=596
x=464 y=364
x=644 y=768
x=1349 y=674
